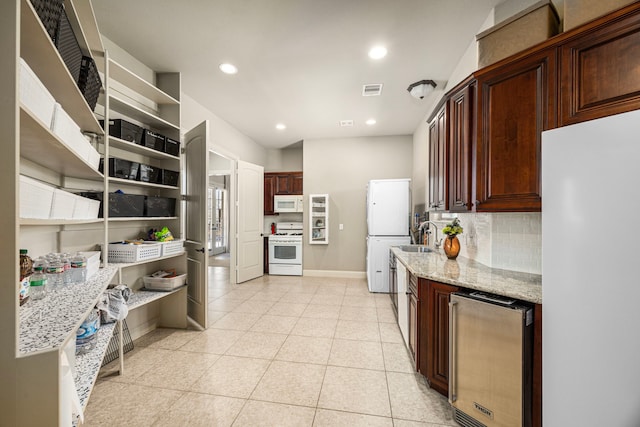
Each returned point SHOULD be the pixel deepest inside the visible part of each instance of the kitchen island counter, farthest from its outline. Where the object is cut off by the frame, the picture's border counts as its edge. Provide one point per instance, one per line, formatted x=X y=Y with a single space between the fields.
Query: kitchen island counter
x=471 y=274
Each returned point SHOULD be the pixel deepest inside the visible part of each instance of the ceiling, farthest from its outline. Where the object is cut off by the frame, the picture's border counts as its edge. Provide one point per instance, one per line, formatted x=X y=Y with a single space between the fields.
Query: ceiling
x=301 y=62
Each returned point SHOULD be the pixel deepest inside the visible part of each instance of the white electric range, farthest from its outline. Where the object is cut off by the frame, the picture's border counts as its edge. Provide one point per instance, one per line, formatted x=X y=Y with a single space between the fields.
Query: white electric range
x=285 y=249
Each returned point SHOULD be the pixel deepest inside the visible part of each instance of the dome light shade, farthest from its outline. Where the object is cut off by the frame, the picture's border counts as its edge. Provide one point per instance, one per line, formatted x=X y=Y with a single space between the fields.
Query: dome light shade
x=422 y=88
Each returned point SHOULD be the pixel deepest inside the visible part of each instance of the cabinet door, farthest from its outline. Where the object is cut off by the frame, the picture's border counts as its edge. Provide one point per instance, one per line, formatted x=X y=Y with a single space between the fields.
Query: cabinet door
x=284 y=184
x=516 y=102
x=438 y=197
x=601 y=71
x=461 y=130
x=438 y=335
x=413 y=329
x=269 y=191
x=296 y=183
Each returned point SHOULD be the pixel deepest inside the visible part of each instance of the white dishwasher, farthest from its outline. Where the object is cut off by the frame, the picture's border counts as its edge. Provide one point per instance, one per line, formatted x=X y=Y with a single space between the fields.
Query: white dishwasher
x=403 y=301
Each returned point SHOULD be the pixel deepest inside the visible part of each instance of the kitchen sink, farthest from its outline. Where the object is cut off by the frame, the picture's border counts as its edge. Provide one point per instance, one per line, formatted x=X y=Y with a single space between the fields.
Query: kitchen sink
x=415 y=248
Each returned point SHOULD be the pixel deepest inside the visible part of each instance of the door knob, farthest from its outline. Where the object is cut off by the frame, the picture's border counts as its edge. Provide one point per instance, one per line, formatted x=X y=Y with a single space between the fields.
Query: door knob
x=200 y=250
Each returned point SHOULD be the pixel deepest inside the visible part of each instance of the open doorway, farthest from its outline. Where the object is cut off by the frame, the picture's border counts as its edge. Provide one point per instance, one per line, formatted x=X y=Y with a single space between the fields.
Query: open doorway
x=218 y=210
x=218 y=215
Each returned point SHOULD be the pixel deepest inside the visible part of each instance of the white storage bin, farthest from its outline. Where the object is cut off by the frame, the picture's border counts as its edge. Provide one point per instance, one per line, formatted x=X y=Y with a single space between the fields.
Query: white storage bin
x=63 y=205
x=93 y=157
x=164 y=284
x=133 y=253
x=93 y=262
x=69 y=133
x=86 y=208
x=35 y=198
x=34 y=95
x=172 y=248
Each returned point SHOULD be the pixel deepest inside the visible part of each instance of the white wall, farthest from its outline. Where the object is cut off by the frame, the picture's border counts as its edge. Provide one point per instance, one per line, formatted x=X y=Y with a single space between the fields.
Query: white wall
x=284 y=160
x=342 y=167
x=224 y=138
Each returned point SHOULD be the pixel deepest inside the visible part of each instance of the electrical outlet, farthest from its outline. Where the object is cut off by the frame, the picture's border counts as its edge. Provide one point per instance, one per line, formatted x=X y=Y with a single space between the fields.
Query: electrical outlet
x=341 y=226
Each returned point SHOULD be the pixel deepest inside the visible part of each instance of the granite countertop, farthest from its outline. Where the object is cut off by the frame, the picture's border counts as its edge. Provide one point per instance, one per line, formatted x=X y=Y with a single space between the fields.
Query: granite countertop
x=45 y=324
x=471 y=274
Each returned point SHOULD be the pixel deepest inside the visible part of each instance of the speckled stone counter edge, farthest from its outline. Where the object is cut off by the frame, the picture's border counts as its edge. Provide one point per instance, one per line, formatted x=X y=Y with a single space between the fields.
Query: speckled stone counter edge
x=471 y=274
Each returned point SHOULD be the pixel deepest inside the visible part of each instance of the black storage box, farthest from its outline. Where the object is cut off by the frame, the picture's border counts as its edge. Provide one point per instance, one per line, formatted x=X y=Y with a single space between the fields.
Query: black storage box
x=68 y=47
x=153 y=140
x=171 y=146
x=149 y=174
x=124 y=130
x=159 y=206
x=120 y=205
x=89 y=82
x=49 y=12
x=169 y=177
x=119 y=168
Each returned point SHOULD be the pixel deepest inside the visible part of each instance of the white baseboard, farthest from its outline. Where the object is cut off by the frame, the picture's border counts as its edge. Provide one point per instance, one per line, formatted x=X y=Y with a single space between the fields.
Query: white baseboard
x=335 y=273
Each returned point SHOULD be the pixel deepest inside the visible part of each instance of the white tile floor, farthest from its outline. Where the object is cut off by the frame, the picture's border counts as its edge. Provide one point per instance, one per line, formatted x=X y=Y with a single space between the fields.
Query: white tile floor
x=280 y=351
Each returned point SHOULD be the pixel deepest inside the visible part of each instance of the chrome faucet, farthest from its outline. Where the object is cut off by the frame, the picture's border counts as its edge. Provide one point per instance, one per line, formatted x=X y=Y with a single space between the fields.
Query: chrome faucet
x=437 y=241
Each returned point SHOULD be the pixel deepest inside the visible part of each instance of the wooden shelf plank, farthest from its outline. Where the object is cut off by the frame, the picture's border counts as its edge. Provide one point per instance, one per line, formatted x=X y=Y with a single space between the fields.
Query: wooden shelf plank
x=85 y=19
x=146 y=261
x=39 y=52
x=143 y=218
x=39 y=145
x=144 y=297
x=35 y=221
x=125 y=108
x=139 y=149
x=122 y=75
x=141 y=183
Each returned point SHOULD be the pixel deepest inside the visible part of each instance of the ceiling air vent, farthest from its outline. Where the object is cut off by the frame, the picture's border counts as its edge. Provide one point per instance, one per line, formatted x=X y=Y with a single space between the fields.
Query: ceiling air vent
x=346 y=123
x=372 y=89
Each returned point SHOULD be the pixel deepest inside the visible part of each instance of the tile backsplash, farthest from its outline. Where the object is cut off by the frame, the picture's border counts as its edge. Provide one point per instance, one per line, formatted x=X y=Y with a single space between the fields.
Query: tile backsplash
x=511 y=241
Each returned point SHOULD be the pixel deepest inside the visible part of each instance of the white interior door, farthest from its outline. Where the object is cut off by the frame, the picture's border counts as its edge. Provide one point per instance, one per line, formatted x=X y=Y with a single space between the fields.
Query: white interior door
x=250 y=221
x=196 y=173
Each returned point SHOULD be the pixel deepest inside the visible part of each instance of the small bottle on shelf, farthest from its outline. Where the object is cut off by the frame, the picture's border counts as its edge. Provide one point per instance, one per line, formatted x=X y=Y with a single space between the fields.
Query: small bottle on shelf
x=67 y=278
x=55 y=272
x=26 y=269
x=79 y=268
x=38 y=283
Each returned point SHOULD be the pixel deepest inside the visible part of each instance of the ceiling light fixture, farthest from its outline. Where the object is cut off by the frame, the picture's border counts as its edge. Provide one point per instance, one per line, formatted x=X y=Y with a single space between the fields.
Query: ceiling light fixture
x=371 y=122
x=422 y=88
x=281 y=126
x=377 y=52
x=228 y=68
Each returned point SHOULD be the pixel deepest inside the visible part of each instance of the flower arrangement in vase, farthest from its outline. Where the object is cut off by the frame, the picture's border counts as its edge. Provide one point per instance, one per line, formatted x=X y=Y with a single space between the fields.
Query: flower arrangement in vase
x=451 y=243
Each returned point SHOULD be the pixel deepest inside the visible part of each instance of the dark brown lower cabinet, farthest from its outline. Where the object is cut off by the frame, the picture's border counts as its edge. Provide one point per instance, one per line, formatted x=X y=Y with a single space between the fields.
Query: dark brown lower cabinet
x=265 y=258
x=434 y=334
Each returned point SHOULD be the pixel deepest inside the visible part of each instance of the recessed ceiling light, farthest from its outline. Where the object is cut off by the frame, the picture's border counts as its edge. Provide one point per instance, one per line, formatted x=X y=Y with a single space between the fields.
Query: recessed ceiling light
x=377 y=52
x=228 y=68
x=371 y=122
x=280 y=126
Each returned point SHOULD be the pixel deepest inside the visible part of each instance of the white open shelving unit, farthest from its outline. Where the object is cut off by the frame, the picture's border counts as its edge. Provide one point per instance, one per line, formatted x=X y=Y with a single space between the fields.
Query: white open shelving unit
x=318 y=219
x=34 y=336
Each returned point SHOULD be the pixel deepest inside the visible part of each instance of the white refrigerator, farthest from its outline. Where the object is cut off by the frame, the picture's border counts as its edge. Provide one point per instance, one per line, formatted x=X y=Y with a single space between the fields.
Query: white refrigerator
x=388 y=212
x=590 y=280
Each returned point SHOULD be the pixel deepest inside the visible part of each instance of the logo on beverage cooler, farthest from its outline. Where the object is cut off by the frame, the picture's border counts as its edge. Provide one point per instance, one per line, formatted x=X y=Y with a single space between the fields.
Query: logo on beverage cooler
x=486 y=412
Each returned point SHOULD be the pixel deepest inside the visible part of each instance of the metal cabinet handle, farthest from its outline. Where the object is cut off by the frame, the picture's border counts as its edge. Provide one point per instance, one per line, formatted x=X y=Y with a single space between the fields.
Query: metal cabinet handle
x=452 y=348
x=200 y=250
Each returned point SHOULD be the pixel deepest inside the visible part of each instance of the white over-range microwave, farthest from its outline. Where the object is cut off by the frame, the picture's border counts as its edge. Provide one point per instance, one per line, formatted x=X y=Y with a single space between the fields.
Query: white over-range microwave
x=290 y=203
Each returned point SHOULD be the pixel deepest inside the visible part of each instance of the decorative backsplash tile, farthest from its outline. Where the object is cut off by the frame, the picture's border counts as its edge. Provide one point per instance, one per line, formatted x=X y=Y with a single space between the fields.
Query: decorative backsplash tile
x=511 y=241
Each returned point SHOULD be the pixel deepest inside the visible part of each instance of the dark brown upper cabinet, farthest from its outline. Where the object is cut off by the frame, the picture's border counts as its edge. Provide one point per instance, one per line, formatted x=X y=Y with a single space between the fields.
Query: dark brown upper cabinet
x=516 y=102
x=601 y=68
x=438 y=161
x=461 y=130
